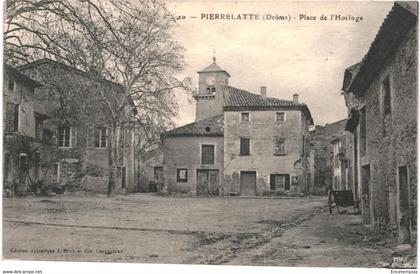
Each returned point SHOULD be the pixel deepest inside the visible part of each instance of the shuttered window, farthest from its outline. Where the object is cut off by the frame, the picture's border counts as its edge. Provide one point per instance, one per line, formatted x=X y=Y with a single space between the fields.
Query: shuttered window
x=101 y=136
x=279 y=182
x=207 y=154
x=244 y=148
x=10 y=114
x=63 y=136
x=66 y=136
x=279 y=146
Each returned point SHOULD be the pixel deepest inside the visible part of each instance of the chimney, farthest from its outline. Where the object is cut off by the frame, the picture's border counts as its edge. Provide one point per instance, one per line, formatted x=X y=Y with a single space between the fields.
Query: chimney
x=295 y=98
x=263 y=92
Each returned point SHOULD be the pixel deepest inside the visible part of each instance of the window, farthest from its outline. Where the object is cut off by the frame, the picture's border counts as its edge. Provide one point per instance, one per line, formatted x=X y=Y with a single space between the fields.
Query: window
x=182 y=175
x=16 y=118
x=101 y=136
x=157 y=172
x=67 y=136
x=125 y=135
x=279 y=182
x=64 y=136
x=207 y=154
x=244 y=146
x=245 y=117
x=279 y=116
x=38 y=127
x=279 y=146
x=386 y=93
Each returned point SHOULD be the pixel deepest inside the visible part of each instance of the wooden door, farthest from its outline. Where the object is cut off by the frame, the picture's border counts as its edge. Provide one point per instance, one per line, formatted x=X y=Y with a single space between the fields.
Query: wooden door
x=202 y=182
x=213 y=182
x=248 y=183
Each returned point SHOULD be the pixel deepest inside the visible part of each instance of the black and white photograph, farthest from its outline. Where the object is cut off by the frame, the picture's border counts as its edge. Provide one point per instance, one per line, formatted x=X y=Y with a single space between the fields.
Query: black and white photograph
x=268 y=135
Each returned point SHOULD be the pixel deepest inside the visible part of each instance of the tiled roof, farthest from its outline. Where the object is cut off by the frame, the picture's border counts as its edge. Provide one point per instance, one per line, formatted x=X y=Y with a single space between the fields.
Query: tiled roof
x=212 y=126
x=214 y=68
x=238 y=99
x=390 y=35
x=234 y=97
x=52 y=63
x=47 y=61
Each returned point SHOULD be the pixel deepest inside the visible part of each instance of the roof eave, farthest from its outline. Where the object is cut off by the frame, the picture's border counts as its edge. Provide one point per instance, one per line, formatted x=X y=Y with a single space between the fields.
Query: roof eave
x=206 y=71
x=395 y=26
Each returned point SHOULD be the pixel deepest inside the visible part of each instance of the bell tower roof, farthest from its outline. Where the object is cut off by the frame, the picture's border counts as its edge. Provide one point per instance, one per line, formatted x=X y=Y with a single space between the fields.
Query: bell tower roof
x=213 y=68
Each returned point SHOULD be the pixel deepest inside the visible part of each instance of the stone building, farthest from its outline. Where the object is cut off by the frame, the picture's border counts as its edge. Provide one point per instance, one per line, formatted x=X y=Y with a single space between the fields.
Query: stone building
x=150 y=170
x=340 y=165
x=78 y=150
x=381 y=96
x=241 y=143
x=330 y=168
x=21 y=135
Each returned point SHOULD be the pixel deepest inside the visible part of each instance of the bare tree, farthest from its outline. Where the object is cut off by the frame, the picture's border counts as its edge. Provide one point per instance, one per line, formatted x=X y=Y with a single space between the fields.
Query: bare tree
x=127 y=43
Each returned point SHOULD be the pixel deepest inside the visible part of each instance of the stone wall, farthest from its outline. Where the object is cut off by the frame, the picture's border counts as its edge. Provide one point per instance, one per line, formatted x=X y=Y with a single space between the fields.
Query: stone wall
x=209 y=105
x=392 y=143
x=321 y=145
x=185 y=152
x=24 y=96
x=91 y=161
x=262 y=129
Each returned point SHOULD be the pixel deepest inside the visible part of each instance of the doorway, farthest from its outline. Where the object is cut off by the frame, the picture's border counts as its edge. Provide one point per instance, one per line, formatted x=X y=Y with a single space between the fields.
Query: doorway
x=365 y=172
x=207 y=182
x=404 y=219
x=248 y=183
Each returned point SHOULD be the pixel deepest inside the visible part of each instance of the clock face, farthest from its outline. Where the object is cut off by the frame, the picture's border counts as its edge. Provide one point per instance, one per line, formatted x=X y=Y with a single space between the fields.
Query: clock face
x=211 y=80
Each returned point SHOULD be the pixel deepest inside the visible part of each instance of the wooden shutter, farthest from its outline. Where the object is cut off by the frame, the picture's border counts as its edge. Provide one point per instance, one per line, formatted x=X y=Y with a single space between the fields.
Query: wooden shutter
x=73 y=136
x=55 y=136
x=287 y=182
x=244 y=146
x=10 y=114
x=207 y=154
x=16 y=118
x=91 y=137
x=106 y=137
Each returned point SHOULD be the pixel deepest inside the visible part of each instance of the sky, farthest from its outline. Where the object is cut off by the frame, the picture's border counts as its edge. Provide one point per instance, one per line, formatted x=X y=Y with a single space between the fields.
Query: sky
x=301 y=56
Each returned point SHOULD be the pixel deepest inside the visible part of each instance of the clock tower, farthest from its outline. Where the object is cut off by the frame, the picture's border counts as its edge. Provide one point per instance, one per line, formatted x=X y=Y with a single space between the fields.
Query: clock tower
x=209 y=100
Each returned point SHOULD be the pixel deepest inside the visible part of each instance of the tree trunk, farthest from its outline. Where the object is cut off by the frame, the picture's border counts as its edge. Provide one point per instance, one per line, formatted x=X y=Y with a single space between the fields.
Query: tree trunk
x=112 y=165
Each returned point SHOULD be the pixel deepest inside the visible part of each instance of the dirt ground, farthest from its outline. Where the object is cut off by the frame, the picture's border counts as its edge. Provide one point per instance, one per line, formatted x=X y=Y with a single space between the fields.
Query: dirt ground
x=154 y=229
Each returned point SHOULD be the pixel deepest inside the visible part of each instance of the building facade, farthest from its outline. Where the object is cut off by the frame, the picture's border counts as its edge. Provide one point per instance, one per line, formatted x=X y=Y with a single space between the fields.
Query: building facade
x=329 y=162
x=21 y=142
x=241 y=143
x=381 y=96
x=78 y=151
